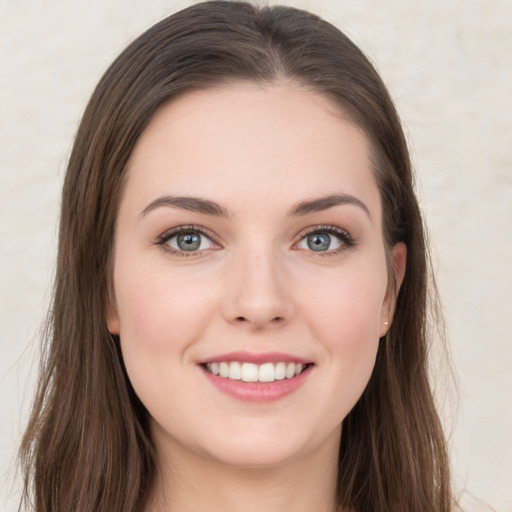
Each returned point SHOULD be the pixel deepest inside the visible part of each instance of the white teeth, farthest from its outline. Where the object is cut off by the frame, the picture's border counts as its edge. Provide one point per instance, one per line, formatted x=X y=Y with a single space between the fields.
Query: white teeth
x=266 y=373
x=235 y=371
x=223 y=369
x=250 y=372
x=280 y=371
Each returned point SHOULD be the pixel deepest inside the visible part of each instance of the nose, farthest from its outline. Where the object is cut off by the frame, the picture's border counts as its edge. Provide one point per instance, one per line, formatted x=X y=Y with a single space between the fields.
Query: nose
x=259 y=294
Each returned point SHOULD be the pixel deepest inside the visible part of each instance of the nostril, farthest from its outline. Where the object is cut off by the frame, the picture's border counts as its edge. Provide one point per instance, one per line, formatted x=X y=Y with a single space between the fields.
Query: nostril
x=259 y=322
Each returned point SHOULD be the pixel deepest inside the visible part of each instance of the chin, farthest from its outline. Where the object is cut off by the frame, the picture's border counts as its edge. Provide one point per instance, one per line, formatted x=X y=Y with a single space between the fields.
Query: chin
x=264 y=455
x=271 y=448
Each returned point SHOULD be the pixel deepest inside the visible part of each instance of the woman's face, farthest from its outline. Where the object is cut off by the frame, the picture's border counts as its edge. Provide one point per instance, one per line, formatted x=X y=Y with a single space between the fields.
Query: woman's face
x=250 y=276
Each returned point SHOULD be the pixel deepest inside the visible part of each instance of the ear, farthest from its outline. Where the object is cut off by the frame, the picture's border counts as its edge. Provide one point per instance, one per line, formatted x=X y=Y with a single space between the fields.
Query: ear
x=398 y=263
x=112 y=318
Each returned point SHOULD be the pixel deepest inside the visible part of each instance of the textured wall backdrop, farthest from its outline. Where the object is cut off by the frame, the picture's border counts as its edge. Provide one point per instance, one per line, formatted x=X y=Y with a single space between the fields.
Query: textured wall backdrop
x=448 y=65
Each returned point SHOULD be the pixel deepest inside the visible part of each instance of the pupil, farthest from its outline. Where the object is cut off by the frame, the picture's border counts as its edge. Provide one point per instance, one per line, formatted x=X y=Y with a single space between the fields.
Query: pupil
x=319 y=241
x=189 y=241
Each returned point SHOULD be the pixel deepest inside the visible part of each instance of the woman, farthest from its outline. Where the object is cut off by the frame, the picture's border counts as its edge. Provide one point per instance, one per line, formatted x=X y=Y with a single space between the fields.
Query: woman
x=239 y=318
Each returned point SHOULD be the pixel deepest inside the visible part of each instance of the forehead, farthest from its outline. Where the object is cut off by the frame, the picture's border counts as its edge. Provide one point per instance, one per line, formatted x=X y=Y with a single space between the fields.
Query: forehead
x=276 y=142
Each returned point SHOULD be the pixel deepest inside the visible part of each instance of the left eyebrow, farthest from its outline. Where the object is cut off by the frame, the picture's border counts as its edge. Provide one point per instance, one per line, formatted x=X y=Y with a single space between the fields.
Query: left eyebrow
x=324 y=203
x=193 y=204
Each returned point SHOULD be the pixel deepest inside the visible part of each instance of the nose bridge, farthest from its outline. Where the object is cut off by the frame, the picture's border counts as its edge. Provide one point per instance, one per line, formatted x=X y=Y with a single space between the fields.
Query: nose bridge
x=258 y=294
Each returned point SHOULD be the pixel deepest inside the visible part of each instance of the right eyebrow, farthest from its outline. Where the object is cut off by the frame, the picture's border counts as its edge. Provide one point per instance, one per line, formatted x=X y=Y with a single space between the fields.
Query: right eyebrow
x=193 y=204
x=324 y=203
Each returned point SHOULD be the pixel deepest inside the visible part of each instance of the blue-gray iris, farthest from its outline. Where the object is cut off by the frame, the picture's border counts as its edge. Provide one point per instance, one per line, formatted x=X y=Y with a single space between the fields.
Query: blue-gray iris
x=189 y=241
x=319 y=241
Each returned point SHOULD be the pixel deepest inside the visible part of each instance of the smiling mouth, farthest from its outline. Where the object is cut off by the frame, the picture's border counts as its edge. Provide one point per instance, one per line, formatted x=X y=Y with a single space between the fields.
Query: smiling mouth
x=250 y=372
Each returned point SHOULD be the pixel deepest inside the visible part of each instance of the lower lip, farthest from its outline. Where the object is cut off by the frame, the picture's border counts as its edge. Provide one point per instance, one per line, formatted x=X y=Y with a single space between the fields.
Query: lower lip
x=261 y=392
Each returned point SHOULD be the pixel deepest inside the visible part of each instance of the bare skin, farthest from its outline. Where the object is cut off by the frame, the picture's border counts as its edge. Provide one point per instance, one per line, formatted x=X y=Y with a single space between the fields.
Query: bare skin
x=201 y=484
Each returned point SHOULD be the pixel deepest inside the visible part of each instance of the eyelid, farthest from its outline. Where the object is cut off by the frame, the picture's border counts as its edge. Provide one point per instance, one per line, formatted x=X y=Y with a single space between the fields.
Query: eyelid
x=177 y=230
x=346 y=239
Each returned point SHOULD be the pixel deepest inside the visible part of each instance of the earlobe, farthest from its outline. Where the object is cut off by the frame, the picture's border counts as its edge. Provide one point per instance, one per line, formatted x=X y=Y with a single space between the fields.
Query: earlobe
x=399 y=263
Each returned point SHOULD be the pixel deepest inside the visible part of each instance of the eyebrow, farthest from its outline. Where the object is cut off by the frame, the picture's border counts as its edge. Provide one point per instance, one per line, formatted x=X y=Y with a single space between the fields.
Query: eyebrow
x=193 y=204
x=324 y=203
x=207 y=207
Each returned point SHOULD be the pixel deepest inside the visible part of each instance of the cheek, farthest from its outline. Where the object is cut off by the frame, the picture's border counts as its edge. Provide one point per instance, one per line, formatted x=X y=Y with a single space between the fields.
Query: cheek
x=160 y=318
x=344 y=313
x=348 y=303
x=155 y=307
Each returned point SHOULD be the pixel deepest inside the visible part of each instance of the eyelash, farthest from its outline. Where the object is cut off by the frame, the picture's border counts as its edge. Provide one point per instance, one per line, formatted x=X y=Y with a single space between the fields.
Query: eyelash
x=163 y=240
x=346 y=240
x=342 y=235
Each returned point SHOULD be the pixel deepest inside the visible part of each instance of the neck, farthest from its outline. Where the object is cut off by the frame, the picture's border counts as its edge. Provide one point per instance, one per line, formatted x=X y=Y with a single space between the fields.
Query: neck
x=190 y=482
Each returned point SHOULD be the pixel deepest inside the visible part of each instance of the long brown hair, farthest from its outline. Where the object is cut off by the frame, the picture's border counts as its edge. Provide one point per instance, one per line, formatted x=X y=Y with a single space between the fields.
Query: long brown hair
x=87 y=445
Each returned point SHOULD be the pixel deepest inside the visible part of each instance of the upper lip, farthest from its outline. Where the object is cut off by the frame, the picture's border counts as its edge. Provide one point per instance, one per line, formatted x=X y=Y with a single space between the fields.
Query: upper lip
x=256 y=358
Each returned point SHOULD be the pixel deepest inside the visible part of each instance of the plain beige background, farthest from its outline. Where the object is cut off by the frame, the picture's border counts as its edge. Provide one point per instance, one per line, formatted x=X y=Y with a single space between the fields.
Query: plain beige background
x=448 y=65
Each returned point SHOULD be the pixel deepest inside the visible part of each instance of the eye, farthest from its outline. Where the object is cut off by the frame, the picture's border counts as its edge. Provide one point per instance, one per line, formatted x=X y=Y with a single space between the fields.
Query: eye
x=319 y=242
x=325 y=239
x=186 y=240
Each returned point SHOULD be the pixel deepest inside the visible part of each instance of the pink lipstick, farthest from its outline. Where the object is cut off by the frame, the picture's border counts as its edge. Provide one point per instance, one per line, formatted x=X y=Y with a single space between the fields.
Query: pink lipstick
x=257 y=377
